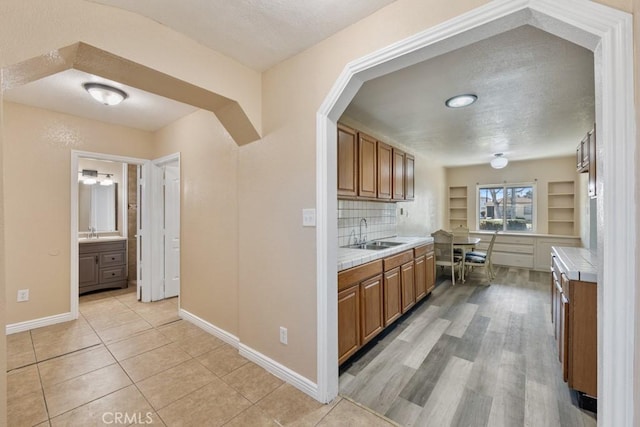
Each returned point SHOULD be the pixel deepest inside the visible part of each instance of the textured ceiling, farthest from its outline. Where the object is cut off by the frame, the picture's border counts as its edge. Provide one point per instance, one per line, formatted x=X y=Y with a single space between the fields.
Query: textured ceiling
x=535 y=100
x=256 y=33
x=63 y=92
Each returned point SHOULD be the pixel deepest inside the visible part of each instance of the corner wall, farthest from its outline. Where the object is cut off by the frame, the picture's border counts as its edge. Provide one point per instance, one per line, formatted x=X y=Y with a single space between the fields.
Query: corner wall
x=208 y=216
x=3 y=302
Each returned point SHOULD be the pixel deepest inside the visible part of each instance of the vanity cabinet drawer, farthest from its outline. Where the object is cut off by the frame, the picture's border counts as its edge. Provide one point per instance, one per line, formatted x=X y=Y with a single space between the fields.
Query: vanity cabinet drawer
x=112 y=274
x=111 y=258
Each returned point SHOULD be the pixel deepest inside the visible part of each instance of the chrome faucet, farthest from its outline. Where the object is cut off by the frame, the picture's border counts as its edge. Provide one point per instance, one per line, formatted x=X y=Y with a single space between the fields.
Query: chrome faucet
x=362 y=240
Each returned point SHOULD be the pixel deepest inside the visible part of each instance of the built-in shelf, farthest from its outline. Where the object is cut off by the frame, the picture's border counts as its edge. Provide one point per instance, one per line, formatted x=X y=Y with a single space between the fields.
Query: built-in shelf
x=561 y=208
x=457 y=207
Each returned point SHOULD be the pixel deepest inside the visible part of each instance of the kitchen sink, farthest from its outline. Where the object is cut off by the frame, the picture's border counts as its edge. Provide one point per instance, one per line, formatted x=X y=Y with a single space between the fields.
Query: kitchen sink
x=375 y=245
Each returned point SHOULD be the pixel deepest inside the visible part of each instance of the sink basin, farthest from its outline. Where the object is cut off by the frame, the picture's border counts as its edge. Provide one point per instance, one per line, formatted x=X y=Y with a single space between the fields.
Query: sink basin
x=376 y=245
x=388 y=244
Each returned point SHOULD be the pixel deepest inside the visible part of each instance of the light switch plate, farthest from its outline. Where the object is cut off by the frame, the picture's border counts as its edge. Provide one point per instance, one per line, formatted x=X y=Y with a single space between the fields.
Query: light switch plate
x=308 y=217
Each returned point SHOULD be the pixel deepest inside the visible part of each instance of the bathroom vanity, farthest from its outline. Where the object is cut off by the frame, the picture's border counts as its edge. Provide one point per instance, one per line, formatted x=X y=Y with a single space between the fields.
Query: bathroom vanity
x=102 y=264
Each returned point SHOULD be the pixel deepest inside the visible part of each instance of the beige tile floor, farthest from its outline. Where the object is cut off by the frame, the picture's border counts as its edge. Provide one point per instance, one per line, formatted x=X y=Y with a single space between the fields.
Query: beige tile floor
x=126 y=363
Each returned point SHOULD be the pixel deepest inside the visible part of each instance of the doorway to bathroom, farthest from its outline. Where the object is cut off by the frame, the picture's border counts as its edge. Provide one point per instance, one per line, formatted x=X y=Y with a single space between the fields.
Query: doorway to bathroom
x=156 y=232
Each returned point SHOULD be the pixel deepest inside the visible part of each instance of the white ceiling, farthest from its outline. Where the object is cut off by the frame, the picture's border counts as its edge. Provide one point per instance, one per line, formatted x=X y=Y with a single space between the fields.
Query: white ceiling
x=256 y=33
x=536 y=91
x=535 y=100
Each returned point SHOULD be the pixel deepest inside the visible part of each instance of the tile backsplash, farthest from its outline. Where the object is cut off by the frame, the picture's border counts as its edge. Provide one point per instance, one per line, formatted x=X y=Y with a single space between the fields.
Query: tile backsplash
x=380 y=216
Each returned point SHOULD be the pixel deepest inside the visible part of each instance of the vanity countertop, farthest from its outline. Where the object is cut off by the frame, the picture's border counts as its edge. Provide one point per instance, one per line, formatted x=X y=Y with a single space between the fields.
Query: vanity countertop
x=577 y=263
x=100 y=239
x=348 y=257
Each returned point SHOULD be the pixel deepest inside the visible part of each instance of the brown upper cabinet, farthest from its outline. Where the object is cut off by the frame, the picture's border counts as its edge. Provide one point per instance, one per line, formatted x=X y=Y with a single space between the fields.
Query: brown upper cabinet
x=371 y=169
x=409 y=177
x=347 y=161
x=398 y=174
x=367 y=166
x=384 y=170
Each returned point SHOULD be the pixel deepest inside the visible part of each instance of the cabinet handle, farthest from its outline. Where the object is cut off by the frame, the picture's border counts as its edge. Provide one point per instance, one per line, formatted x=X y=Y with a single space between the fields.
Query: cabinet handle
x=96 y=259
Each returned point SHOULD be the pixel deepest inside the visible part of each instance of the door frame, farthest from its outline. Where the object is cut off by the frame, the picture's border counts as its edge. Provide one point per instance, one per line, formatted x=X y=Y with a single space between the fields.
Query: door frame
x=609 y=34
x=157 y=229
x=146 y=222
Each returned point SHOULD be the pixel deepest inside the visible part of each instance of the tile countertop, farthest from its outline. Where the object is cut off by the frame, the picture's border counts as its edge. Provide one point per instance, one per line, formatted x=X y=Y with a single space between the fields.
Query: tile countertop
x=577 y=263
x=348 y=257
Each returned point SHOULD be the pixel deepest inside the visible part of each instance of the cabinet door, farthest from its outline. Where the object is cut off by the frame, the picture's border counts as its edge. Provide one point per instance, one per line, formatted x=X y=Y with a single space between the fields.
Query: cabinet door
x=348 y=322
x=88 y=273
x=409 y=178
x=563 y=342
x=408 y=286
x=347 y=161
x=430 y=262
x=398 y=174
x=420 y=268
x=392 y=296
x=372 y=314
x=367 y=166
x=384 y=170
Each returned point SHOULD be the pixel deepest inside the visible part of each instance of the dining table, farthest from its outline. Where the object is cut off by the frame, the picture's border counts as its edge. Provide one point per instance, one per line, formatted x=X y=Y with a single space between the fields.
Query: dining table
x=465 y=244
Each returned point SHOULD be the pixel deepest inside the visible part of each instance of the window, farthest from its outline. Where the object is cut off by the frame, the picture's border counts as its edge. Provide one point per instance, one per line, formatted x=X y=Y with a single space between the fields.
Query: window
x=506 y=207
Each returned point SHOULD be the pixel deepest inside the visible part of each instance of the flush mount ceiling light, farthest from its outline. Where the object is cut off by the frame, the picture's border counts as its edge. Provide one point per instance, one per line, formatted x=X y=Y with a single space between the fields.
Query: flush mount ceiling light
x=105 y=94
x=498 y=161
x=460 y=101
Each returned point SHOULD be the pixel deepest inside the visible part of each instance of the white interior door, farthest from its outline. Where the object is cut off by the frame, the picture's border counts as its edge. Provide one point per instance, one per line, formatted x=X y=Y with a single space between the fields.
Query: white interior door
x=139 y=189
x=171 y=229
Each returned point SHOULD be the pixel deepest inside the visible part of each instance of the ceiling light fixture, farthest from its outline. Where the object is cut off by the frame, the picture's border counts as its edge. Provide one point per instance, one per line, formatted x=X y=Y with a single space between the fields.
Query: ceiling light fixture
x=105 y=94
x=460 y=101
x=498 y=161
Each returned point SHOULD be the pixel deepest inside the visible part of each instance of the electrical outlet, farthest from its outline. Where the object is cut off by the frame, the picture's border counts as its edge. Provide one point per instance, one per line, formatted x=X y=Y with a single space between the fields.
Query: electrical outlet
x=283 y=335
x=23 y=295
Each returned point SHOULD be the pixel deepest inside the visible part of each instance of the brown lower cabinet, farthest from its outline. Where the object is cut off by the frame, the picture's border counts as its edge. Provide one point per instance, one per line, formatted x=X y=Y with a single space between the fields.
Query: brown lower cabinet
x=574 y=315
x=374 y=295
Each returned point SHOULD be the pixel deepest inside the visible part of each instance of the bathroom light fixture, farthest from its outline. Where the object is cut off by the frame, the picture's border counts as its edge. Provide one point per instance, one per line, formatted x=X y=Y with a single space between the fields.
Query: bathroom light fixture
x=105 y=94
x=460 y=101
x=107 y=180
x=498 y=161
x=89 y=176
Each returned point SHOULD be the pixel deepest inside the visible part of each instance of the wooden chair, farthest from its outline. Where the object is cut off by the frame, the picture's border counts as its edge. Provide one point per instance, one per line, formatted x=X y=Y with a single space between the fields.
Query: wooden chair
x=478 y=259
x=462 y=231
x=443 y=249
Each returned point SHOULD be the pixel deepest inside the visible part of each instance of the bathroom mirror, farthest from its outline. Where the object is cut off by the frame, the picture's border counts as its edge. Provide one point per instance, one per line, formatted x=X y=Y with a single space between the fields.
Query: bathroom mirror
x=97 y=207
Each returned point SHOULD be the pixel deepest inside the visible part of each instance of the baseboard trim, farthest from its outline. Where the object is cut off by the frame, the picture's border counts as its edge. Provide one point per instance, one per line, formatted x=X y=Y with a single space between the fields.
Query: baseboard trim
x=14 y=328
x=298 y=381
x=212 y=329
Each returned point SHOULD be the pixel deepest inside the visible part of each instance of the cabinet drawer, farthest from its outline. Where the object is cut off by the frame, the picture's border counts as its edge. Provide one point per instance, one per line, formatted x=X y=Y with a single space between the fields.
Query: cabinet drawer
x=515 y=240
x=357 y=274
x=98 y=246
x=113 y=274
x=110 y=259
x=397 y=260
x=422 y=250
x=513 y=260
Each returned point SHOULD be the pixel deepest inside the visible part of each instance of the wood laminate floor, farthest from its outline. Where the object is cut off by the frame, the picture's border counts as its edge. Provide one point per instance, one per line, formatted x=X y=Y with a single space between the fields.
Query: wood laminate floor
x=469 y=355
